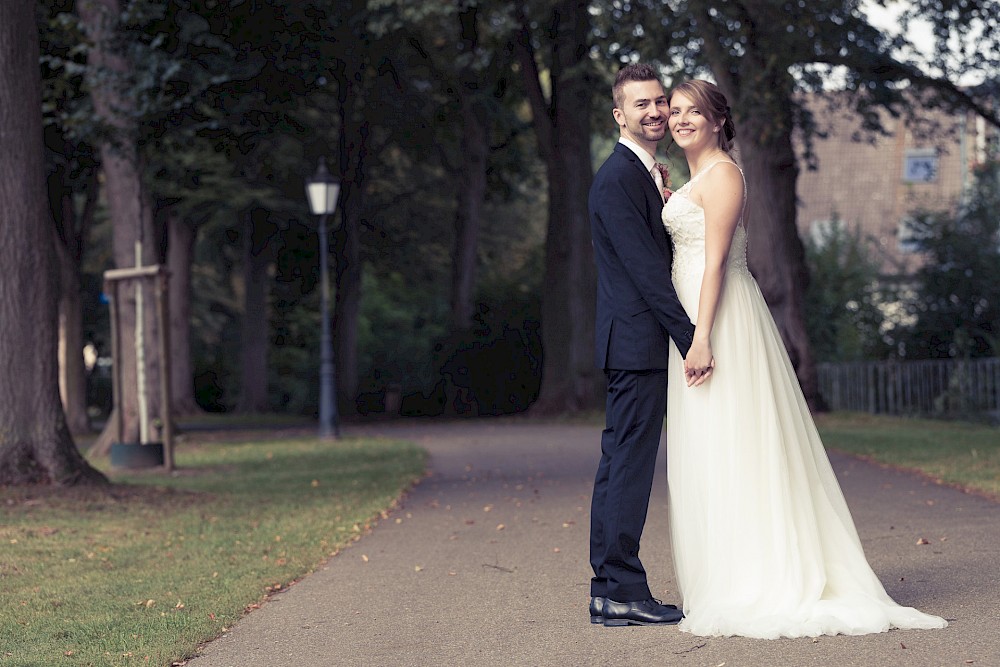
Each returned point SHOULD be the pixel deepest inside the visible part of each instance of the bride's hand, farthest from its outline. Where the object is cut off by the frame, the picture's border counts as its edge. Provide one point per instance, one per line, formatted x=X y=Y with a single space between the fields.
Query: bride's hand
x=699 y=363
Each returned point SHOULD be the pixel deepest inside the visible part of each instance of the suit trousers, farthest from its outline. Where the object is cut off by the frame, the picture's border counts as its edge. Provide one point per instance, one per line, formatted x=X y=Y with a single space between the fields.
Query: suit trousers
x=636 y=406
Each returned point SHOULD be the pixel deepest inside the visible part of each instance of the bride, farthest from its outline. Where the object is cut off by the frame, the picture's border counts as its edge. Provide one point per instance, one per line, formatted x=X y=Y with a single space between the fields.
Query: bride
x=763 y=542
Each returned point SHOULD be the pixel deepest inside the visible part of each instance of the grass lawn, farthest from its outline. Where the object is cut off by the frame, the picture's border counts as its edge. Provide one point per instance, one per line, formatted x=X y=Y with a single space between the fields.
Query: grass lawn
x=143 y=573
x=960 y=454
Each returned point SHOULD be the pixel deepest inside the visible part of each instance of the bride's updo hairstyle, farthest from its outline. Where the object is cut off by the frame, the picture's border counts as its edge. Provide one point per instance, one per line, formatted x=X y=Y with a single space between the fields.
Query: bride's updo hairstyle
x=707 y=97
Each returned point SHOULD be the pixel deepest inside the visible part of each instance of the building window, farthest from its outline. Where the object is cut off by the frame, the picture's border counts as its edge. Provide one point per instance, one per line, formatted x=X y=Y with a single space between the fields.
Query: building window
x=905 y=238
x=920 y=165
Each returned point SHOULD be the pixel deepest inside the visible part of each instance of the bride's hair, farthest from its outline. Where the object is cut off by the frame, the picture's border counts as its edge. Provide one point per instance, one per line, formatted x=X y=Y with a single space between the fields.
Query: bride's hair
x=707 y=97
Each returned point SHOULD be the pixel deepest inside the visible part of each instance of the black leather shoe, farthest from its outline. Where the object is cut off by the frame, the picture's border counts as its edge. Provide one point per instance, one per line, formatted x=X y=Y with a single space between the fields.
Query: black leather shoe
x=643 y=612
x=596 y=610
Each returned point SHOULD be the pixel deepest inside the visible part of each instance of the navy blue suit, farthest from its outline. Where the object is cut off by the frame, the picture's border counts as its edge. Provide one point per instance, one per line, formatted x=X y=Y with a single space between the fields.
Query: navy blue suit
x=637 y=309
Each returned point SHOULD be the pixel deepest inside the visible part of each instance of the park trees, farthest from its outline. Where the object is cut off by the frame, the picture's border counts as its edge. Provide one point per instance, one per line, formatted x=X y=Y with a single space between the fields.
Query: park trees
x=768 y=62
x=35 y=443
x=957 y=292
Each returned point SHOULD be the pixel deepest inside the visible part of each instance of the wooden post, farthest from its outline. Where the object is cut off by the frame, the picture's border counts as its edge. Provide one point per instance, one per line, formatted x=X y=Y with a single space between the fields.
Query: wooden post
x=158 y=274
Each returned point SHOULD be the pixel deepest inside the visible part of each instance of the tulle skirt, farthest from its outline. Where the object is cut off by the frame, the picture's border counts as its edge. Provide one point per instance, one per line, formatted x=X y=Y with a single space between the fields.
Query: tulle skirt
x=763 y=542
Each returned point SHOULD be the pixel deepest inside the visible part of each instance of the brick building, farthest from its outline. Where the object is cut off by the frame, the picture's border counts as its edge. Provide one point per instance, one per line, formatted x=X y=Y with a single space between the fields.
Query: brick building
x=876 y=185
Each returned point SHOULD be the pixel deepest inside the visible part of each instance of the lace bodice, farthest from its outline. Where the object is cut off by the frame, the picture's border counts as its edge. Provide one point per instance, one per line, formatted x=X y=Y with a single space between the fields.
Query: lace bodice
x=685 y=222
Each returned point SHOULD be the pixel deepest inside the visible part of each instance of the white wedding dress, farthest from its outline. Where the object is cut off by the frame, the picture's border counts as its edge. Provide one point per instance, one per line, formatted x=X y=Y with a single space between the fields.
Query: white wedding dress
x=763 y=542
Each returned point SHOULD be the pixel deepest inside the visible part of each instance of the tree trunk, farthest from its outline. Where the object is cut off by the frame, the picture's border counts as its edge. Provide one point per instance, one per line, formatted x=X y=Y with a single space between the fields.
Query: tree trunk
x=35 y=444
x=760 y=91
x=72 y=372
x=181 y=235
x=254 y=331
x=132 y=221
x=562 y=125
x=475 y=148
x=347 y=268
x=71 y=229
x=775 y=252
x=471 y=195
x=347 y=301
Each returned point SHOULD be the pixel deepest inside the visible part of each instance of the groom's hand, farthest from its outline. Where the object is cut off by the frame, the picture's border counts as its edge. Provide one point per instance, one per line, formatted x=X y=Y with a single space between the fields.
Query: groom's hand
x=697 y=376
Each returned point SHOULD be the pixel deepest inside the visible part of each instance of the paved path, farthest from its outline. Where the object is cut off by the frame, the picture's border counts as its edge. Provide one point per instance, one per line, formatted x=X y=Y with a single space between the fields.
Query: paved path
x=485 y=563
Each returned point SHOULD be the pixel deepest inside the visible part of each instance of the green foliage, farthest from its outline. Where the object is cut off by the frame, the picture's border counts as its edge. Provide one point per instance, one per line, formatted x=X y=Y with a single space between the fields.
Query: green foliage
x=957 y=307
x=145 y=572
x=843 y=302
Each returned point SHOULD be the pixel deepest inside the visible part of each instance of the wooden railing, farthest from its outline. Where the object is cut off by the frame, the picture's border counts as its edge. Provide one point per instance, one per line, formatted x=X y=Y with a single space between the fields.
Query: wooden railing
x=941 y=388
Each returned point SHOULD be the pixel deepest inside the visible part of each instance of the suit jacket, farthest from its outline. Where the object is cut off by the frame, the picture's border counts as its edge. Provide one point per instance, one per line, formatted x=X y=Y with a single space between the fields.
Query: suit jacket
x=637 y=307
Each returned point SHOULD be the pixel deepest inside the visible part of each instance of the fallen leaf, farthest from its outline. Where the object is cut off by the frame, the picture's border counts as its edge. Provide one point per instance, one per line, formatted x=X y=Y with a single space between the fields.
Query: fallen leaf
x=556 y=550
x=417 y=568
x=922 y=541
x=902 y=645
x=364 y=557
x=314 y=483
x=500 y=526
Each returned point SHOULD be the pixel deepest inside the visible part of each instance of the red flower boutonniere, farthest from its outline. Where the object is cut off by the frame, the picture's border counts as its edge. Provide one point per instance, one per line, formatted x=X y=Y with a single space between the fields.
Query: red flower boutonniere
x=665 y=173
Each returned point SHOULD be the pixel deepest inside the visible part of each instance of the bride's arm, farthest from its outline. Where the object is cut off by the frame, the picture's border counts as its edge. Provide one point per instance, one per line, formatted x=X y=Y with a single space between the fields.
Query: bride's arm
x=722 y=199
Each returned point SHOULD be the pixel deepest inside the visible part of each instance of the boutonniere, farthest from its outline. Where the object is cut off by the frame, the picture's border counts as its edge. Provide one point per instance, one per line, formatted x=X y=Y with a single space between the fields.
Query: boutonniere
x=665 y=173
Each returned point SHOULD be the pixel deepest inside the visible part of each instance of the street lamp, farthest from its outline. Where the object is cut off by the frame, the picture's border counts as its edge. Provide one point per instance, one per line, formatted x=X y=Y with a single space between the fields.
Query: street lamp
x=322 y=191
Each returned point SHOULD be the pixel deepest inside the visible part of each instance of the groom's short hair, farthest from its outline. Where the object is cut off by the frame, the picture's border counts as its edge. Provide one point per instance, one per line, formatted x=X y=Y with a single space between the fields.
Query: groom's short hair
x=632 y=72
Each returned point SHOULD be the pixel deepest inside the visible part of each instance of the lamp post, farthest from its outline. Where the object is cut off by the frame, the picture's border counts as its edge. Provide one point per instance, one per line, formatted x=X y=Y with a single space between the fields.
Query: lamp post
x=322 y=191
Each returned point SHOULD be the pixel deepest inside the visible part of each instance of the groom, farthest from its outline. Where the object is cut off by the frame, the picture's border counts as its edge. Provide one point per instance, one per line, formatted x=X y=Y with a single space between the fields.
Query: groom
x=637 y=309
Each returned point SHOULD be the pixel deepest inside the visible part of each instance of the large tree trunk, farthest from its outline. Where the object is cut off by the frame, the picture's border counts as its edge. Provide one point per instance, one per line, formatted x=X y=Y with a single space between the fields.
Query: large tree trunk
x=347 y=268
x=181 y=235
x=132 y=220
x=760 y=88
x=254 y=331
x=347 y=301
x=475 y=148
x=71 y=228
x=72 y=372
x=471 y=195
x=775 y=252
x=35 y=444
x=562 y=125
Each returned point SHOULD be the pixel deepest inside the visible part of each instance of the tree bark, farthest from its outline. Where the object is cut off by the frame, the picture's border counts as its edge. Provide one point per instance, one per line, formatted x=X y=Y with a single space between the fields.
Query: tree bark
x=181 y=235
x=347 y=301
x=347 y=266
x=254 y=331
x=760 y=89
x=562 y=126
x=35 y=444
x=475 y=148
x=468 y=216
x=72 y=372
x=131 y=216
x=71 y=229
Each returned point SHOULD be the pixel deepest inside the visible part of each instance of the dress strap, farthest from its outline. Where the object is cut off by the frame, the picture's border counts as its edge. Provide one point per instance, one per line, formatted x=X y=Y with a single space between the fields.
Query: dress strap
x=706 y=169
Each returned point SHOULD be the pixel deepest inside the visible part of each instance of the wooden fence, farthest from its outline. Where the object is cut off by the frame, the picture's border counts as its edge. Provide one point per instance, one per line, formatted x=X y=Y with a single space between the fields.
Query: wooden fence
x=937 y=388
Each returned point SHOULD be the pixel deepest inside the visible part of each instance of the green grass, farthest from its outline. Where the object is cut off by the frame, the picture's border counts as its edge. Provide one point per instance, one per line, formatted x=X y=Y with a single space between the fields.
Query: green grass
x=143 y=573
x=955 y=453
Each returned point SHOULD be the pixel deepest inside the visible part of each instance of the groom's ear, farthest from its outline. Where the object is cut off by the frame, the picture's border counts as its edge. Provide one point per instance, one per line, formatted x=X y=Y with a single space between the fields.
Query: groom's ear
x=619 y=116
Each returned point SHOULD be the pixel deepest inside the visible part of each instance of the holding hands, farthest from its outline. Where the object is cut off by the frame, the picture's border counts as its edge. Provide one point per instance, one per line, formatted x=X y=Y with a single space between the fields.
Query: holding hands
x=699 y=363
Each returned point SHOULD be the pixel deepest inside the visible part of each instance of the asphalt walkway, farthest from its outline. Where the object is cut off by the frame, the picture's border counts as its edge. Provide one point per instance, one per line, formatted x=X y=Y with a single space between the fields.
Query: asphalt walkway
x=485 y=563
